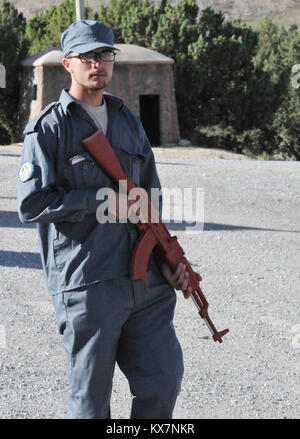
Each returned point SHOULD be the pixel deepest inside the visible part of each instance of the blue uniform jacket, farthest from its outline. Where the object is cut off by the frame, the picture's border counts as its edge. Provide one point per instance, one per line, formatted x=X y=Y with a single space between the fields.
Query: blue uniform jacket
x=77 y=250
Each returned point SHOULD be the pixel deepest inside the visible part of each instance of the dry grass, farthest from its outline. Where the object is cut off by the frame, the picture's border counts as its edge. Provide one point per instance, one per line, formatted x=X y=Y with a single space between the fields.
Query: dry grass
x=249 y=10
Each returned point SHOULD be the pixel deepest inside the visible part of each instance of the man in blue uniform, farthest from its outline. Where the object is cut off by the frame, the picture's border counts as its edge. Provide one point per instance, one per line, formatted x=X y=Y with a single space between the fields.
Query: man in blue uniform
x=103 y=315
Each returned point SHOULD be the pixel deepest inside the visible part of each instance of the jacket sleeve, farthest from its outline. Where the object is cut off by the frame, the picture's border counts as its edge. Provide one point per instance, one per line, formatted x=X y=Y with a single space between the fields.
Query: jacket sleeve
x=40 y=199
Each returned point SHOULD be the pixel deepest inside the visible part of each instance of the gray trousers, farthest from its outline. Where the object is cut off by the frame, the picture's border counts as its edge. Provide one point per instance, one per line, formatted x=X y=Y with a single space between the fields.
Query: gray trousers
x=128 y=322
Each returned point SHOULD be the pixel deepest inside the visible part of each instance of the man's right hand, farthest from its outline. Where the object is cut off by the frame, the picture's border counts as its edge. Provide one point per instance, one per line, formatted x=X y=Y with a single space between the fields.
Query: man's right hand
x=178 y=279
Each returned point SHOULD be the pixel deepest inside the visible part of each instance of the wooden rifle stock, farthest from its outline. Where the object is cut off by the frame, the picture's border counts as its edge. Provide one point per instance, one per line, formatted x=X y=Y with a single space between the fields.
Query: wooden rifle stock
x=153 y=233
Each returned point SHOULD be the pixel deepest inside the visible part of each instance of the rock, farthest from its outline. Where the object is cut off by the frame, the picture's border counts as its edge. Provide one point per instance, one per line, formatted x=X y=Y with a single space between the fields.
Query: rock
x=184 y=142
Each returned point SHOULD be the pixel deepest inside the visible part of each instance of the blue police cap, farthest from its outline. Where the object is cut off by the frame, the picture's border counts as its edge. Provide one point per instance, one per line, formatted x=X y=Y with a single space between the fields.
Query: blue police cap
x=86 y=35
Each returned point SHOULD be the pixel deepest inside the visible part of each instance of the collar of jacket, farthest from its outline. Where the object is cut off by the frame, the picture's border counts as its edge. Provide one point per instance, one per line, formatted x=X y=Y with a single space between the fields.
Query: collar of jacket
x=65 y=99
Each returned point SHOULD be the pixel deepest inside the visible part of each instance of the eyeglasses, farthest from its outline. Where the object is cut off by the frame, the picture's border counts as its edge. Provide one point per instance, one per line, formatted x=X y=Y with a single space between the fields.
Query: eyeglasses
x=106 y=55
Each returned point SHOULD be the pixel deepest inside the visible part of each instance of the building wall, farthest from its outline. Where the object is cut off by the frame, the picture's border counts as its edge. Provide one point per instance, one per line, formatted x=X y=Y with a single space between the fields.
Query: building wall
x=129 y=81
x=55 y=79
x=49 y=81
x=28 y=106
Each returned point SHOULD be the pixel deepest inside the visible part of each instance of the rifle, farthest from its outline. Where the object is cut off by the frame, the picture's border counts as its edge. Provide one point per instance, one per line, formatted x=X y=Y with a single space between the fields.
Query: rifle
x=152 y=233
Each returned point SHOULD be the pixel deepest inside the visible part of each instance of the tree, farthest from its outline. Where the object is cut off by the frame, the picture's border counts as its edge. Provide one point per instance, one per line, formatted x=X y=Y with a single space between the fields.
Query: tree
x=112 y=14
x=226 y=89
x=286 y=118
x=177 y=28
x=13 y=48
x=278 y=51
x=44 y=30
x=269 y=56
x=139 y=24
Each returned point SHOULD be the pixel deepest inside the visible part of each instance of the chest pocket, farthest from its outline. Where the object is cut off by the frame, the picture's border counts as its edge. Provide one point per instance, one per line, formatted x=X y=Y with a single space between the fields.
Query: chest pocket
x=131 y=163
x=81 y=171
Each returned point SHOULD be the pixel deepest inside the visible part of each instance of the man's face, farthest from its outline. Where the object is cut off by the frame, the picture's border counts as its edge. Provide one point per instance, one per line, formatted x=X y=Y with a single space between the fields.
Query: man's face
x=94 y=75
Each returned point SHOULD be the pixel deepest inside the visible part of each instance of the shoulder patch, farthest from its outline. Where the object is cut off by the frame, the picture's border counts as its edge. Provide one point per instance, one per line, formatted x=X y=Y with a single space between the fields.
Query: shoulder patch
x=30 y=127
x=26 y=171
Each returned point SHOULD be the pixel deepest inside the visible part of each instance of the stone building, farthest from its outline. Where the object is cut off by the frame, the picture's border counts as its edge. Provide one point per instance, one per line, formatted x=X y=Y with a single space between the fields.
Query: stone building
x=142 y=77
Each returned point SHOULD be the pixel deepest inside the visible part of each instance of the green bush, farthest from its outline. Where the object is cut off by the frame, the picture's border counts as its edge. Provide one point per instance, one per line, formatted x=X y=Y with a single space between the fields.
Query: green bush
x=252 y=142
x=278 y=51
x=286 y=124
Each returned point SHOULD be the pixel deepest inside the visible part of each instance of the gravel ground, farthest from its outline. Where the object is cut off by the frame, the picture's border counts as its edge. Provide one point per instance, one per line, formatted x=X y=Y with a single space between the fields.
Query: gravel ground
x=248 y=255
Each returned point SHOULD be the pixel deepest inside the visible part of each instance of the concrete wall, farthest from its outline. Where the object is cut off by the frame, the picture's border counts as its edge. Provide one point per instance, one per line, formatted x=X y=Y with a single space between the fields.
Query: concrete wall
x=129 y=81
x=55 y=79
x=49 y=81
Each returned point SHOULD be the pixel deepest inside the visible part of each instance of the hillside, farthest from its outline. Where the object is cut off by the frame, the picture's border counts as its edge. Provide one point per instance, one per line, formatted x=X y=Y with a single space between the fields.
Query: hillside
x=283 y=11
